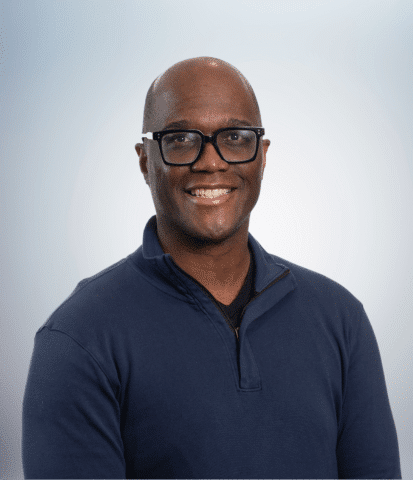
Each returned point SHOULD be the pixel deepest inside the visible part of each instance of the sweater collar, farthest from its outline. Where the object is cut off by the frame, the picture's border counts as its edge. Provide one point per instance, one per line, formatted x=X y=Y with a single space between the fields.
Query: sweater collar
x=268 y=267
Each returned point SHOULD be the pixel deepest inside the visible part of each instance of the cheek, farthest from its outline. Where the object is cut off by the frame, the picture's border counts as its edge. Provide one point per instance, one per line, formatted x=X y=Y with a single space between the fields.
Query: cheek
x=156 y=169
x=254 y=174
x=254 y=180
x=158 y=184
x=163 y=183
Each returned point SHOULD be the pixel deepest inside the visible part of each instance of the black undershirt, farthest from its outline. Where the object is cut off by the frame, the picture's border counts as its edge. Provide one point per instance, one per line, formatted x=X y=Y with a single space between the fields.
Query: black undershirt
x=234 y=310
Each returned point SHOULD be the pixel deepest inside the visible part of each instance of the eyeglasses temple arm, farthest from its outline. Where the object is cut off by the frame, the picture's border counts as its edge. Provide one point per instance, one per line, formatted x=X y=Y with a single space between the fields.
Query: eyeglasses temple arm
x=148 y=135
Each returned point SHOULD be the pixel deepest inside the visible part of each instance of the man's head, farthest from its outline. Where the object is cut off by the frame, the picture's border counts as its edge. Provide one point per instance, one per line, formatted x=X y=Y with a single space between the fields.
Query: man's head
x=205 y=94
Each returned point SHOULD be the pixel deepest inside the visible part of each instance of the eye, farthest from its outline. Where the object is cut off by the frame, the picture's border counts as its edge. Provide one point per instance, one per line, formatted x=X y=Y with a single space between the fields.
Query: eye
x=236 y=137
x=180 y=141
x=230 y=136
x=176 y=138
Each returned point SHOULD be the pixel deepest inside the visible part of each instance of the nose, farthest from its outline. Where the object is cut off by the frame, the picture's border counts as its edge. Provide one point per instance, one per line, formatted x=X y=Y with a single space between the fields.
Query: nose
x=209 y=160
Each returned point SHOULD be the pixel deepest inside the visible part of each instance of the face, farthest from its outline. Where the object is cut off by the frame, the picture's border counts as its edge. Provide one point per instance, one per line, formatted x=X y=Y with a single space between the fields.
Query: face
x=205 y=101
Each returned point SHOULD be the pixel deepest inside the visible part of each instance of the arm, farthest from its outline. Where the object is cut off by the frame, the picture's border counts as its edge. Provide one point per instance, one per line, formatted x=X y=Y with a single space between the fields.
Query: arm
x=367 y=445
x=71 y=426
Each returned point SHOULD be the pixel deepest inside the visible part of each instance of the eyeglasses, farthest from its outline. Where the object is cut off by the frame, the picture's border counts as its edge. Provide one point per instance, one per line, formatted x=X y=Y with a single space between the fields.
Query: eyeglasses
x=184 y=147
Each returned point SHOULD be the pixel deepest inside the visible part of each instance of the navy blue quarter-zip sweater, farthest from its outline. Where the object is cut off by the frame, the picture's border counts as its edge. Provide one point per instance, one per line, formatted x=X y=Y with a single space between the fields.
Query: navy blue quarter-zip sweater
x=140 y=373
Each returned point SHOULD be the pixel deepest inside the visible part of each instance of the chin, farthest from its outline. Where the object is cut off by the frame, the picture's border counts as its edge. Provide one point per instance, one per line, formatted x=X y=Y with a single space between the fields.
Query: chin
x=210 y=232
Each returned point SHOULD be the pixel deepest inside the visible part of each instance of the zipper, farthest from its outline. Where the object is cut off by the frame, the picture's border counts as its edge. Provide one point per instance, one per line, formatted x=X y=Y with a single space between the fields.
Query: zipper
x=256 y=296
x=236 y=329
x=210 y=296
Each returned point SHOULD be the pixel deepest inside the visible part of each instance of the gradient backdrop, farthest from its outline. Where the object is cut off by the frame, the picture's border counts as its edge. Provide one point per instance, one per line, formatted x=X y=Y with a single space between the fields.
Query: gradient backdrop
x=334 y=80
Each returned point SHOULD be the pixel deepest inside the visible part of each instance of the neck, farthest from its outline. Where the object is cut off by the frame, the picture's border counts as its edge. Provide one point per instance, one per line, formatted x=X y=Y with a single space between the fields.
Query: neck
x=218 y=267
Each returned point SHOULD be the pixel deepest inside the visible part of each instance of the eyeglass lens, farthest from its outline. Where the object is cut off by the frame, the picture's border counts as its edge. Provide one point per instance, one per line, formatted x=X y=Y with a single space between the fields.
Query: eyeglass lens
x=235 y=145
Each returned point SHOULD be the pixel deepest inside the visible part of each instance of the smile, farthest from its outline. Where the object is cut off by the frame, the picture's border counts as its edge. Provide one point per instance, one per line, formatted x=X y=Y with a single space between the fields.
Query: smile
x=209 y=193
x=209 y=196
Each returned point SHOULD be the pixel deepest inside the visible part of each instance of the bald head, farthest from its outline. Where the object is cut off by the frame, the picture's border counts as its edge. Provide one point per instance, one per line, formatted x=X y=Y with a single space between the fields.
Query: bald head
x=192 y=74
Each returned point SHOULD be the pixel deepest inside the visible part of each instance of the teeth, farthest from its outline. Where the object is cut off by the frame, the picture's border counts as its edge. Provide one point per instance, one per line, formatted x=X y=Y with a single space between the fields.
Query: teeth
x=217 y=192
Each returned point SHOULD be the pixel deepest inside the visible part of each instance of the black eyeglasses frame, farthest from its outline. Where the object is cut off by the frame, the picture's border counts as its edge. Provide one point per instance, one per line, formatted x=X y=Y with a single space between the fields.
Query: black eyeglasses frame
x=259 y=132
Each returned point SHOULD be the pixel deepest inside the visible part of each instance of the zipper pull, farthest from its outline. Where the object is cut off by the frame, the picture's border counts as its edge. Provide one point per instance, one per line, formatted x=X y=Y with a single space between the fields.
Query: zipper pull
x=236 y=332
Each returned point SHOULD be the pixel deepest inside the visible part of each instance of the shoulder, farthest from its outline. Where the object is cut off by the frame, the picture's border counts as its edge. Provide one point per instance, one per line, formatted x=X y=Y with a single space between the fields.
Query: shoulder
x=93 y=300
x=318 y=289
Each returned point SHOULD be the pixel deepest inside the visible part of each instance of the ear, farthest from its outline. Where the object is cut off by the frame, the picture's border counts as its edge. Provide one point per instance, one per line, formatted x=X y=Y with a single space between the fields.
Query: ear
x=143 y=160
x=265 y=145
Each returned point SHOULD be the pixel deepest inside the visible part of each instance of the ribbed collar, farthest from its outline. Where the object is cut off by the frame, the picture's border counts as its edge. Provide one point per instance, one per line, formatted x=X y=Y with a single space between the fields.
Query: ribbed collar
x=152 y=260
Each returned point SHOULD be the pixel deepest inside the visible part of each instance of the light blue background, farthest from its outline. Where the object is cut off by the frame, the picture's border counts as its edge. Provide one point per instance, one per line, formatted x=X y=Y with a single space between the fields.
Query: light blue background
x=334 y=80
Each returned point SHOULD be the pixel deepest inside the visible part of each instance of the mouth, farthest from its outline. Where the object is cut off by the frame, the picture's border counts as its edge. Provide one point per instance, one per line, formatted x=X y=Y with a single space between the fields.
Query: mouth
x=209 y=192
x=210 y=196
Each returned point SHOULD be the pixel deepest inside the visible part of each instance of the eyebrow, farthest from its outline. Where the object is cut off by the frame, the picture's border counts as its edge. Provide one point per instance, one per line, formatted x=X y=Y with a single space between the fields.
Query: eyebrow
x=232 y=122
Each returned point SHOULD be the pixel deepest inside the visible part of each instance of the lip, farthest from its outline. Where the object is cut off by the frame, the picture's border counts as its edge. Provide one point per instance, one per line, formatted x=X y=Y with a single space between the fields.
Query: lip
x=211 y=201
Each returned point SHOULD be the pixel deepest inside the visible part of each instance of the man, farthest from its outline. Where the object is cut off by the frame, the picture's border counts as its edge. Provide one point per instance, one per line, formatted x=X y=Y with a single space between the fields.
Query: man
x=200 y=355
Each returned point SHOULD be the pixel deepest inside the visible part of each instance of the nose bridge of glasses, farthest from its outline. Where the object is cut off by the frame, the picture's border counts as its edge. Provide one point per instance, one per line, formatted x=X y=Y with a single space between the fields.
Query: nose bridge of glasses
x=214 y=146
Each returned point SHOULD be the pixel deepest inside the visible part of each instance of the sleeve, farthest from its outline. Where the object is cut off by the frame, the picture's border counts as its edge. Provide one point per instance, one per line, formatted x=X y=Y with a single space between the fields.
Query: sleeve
x=367 y=445
x=70 y=416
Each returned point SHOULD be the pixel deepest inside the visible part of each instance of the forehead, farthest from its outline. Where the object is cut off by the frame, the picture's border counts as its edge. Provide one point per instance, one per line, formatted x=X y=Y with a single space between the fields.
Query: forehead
x=203 y=97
